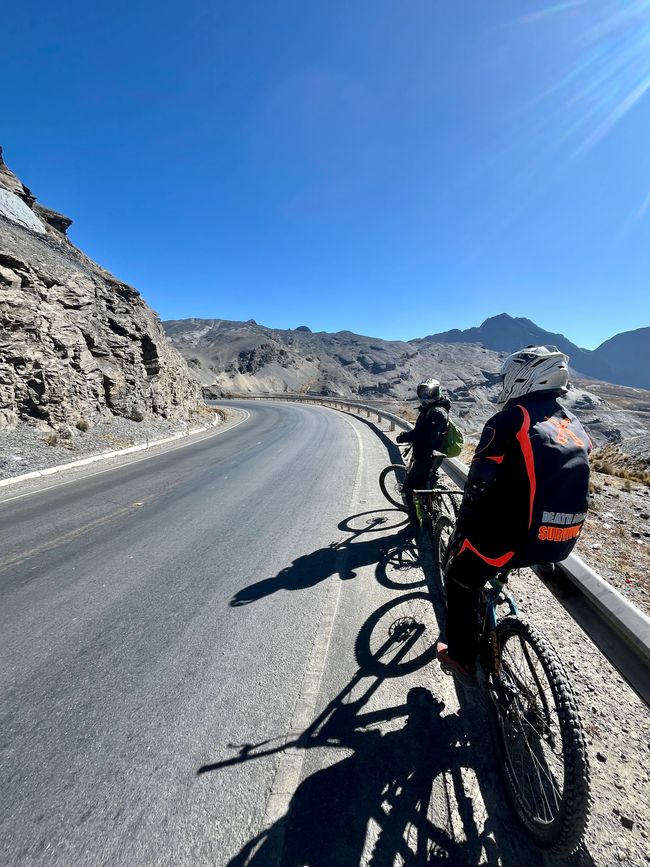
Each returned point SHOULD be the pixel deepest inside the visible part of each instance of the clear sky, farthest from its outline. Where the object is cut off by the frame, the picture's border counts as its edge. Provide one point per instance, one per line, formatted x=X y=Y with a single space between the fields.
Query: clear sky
x=392 y=167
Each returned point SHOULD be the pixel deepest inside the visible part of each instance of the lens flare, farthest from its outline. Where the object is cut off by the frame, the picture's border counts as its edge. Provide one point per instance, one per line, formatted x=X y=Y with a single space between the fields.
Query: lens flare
x=610 y=76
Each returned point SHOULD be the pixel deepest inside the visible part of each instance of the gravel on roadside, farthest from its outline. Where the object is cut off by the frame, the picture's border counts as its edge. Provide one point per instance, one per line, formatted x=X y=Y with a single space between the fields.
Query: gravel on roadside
x=615 y=541
x=28 y=448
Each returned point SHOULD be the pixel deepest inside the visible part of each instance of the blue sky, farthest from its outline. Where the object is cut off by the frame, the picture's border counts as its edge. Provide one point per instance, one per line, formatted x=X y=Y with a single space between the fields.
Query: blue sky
x=392 y=167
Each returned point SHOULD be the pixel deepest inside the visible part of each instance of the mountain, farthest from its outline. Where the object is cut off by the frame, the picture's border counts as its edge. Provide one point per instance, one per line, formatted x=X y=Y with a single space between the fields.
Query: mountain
x=244 y=357
x=505 y=333
x=624 y=359
x=76 y=344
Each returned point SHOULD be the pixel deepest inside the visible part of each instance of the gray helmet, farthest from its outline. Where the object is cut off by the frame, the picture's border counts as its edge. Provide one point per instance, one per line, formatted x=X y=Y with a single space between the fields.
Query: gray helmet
x=535 y=368
x=429 y=391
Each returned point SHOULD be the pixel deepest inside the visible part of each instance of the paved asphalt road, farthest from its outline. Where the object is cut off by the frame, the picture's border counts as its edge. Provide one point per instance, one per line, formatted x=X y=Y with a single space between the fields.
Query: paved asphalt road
x=150 y=617
x=223 y=655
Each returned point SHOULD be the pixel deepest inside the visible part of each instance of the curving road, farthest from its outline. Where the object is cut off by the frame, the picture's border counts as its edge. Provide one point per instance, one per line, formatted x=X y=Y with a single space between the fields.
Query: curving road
x=150 y=616
x=223 y=655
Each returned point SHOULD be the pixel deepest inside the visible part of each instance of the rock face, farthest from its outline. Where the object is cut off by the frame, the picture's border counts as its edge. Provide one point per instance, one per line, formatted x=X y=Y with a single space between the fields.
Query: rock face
x=75 y=343
x=623 y=359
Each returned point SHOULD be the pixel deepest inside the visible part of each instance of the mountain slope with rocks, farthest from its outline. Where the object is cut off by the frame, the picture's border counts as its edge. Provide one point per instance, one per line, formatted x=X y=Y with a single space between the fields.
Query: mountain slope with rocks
x=244 y=357
x=77 y=346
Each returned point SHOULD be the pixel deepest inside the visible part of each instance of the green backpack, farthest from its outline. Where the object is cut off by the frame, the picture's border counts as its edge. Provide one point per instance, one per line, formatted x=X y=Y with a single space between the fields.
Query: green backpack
x=452 y=444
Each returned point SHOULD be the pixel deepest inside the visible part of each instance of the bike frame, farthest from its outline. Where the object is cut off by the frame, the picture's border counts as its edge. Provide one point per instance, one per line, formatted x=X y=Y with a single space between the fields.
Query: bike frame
x=423 y=498
x=496 y=593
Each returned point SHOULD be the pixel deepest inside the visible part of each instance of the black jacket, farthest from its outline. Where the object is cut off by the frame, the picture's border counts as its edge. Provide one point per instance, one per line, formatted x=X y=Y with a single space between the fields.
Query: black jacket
x=430 y=429
x=528 y=486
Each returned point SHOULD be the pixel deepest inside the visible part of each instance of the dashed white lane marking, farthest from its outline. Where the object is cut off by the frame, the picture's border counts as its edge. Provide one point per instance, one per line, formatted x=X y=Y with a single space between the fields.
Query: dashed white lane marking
x=288 y=773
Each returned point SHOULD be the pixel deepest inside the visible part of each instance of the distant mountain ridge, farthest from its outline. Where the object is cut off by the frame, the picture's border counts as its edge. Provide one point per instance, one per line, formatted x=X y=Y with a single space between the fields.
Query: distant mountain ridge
x=623 y=359
x=244 y=357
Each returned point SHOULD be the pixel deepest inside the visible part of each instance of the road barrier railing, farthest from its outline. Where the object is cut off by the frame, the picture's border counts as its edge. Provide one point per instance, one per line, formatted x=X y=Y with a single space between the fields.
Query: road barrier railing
x=612 y=622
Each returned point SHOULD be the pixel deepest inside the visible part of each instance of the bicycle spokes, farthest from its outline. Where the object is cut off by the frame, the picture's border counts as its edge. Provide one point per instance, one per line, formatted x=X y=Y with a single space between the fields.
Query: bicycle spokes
x=531 y=728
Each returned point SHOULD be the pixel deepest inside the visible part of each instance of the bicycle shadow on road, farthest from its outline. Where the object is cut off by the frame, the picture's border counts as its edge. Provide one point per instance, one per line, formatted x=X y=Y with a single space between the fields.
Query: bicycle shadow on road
x=373 y=806
x=338 y=558
x=401 y=797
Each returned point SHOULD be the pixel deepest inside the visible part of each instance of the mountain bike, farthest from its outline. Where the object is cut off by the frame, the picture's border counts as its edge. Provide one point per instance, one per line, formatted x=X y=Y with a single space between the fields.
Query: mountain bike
x=535 y=721
x=430 y=503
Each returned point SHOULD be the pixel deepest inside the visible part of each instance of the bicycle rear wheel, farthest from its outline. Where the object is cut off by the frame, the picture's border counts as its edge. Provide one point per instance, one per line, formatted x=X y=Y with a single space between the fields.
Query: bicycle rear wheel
x=391 y=482
x=441 y=537
x=539 y=738
x=447 y=504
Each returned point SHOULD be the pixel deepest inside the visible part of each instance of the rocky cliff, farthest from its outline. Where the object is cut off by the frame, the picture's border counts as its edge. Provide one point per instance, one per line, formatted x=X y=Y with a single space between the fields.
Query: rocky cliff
x=76 y=344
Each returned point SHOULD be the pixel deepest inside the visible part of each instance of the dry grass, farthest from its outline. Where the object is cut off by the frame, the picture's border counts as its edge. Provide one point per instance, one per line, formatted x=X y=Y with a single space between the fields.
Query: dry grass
x=611 y=461
x=82 y=425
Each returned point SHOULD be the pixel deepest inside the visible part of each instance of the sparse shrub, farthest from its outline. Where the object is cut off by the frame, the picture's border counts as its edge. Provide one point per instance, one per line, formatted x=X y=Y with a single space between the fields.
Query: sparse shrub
x=82 y=425
x=137 y=415
x=627 y=486
x=610 y=461
x=595 y=487
x=620 y=531
x=52 y=439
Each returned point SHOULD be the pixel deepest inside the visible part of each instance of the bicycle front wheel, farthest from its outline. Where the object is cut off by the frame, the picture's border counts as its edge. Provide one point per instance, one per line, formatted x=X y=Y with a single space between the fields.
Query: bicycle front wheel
x=539 y=738
x=391 y=482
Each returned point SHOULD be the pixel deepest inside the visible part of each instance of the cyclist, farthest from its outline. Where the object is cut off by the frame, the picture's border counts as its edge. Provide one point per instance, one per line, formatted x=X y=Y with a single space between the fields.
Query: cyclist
x=427 y=435
x=526 y=495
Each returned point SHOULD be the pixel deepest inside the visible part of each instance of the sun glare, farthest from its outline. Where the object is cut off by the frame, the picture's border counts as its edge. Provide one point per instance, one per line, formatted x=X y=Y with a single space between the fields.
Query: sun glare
x=611 y=74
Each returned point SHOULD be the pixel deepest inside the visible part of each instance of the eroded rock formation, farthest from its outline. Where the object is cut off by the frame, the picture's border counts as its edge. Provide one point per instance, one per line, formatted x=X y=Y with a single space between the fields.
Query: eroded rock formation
x=75 y=343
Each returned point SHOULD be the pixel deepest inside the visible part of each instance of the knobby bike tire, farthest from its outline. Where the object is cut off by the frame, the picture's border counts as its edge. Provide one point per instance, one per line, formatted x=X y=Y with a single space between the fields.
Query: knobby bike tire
x=525 y=715
x=448 y=504
x=440 y=504
x=391 y=480
x=442 y=533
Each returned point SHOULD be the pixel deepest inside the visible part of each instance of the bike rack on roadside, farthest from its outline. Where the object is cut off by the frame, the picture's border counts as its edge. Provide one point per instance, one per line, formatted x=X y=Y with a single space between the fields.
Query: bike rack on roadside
x=614 y=624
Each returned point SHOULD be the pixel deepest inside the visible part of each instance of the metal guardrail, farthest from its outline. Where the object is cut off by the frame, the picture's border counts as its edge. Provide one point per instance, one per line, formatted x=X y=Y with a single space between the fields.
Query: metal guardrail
x=616 y=626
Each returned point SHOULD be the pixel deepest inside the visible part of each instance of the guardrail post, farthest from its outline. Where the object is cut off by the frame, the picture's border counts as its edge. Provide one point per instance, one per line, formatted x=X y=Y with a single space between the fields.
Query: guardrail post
x=392 y=425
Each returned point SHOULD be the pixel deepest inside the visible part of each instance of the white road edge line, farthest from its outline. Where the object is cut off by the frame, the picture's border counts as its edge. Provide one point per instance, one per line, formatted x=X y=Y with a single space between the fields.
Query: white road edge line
x=289 y=770
x=187 y=441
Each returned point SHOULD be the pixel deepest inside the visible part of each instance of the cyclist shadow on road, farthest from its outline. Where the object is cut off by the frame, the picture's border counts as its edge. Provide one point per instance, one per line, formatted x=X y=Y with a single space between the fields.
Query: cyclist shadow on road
x=401 y=797
x=340 y=558
x=373 y=806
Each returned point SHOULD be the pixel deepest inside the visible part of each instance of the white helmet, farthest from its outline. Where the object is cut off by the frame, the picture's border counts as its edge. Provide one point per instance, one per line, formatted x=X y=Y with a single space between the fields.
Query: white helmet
x=535 y=368
x=429 y=391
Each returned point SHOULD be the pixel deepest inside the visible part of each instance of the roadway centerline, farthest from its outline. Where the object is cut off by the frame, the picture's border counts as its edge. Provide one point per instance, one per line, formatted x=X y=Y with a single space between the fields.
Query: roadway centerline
x=73 y=534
